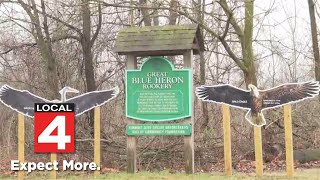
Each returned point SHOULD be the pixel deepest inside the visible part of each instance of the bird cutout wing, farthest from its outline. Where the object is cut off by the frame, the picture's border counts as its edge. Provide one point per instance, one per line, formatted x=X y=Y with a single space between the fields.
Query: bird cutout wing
x=226 y=94
x=288 y=93
x=21 y=101
x=90 y=100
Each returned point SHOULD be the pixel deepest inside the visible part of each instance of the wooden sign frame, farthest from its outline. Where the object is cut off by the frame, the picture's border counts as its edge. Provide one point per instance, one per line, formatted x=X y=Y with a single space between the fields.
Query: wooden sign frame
x=188 y=140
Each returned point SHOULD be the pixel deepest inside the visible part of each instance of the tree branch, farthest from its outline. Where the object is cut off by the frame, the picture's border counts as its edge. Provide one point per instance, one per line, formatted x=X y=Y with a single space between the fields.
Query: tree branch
x=232 y=55
x=11 y=48
x=233 y=22
x=95 y=35
x=226 y=29
x=186 y=14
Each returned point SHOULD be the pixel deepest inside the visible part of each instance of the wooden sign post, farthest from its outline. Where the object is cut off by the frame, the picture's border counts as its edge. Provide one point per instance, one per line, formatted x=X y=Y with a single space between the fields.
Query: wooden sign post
x=97 y=147
x=131 y=140
x=288 y=140
x=53 y=157
x=227 y=140
x=189 y=140
x=258 y=151
x=21 y=143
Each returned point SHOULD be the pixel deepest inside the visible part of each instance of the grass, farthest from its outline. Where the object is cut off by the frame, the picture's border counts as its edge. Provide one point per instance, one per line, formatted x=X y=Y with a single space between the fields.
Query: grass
x=306 y=174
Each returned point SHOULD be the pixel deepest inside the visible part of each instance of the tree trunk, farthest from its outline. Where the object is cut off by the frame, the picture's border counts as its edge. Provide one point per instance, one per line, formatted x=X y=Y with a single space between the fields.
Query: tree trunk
x=173 y=15
x=52 y=76
x=315 y=45
x=247 y=51
x=145 y=13
x=44 y=45
x=156 y=17
x=86 y=44
x=205 y=113
x=199 y=7
x=250 y=76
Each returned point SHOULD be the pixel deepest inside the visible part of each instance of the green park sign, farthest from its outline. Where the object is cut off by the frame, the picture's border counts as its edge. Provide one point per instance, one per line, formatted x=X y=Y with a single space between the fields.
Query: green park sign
x=158 y=91
x=158 y=129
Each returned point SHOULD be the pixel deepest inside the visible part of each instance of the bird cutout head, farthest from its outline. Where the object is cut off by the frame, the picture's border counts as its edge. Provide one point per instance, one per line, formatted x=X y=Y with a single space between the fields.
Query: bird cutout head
x=254 y=90
x=63 y=92
x=255 y=101
x=68 y=89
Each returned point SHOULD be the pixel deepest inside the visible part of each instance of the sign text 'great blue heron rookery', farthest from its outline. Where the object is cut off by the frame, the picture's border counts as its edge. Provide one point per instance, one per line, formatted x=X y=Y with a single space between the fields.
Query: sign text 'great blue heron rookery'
x=158 y=91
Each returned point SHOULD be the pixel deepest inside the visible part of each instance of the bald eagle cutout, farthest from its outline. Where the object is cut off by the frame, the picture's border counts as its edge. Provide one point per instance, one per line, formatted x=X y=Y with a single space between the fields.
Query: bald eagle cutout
x=23 y=101
x=255 y=100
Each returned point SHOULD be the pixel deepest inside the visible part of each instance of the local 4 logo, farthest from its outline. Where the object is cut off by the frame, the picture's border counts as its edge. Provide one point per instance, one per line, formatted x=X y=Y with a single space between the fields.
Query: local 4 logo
x=54 y=127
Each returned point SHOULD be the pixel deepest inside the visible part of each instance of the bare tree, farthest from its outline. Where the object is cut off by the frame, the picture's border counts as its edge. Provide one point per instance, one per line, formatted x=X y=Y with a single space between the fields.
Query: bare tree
x=173 y=12
x=145 y=13
x=314 y=35
x=44 y=43
x=199 y=8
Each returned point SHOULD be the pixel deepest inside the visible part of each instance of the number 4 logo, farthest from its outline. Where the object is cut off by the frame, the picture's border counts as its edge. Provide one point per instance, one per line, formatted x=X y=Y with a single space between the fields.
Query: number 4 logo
x=53 y=130
x=61 y=139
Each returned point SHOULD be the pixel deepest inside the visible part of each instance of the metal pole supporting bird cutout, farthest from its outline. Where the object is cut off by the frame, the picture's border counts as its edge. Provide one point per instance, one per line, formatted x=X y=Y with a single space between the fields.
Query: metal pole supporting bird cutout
x=23 y=101
x=255 y=100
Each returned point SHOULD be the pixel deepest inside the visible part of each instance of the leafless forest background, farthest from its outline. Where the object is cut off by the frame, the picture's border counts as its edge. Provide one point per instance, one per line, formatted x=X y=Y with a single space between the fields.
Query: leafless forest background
x=46 y=45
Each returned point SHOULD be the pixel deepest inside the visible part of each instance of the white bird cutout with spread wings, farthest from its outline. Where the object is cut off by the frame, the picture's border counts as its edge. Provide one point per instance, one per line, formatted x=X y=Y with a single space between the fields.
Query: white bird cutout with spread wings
x=23 y=101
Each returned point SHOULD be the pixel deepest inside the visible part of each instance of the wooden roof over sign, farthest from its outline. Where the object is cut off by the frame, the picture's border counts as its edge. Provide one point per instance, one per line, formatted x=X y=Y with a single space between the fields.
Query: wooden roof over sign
x=159 y=40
